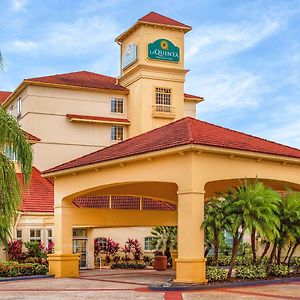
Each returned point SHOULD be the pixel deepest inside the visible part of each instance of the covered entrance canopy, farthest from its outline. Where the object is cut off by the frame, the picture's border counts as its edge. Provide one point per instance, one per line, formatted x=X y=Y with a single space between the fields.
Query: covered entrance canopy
x=180 y=164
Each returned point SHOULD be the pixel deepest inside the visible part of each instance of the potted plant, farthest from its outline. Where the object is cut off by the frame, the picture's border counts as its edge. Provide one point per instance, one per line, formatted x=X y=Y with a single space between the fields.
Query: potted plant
x=160 y=261
x=164 y=239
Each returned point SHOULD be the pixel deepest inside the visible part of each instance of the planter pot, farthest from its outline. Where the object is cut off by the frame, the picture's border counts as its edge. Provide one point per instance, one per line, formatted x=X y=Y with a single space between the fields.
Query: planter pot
x=160 y=263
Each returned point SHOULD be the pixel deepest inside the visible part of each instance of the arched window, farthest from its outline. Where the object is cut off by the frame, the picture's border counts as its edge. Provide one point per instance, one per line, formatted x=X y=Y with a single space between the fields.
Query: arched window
x=147 y=246
x=101 y=242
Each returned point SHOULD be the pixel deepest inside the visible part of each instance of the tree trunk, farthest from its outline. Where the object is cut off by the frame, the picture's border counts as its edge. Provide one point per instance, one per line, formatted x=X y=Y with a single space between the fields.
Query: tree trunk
x=273 y=253
x=267 y=247
x=235 y=248
x=253 y=235
x=288 y=253
x=216 y=248
x=279 y=249
x=292 y=253
x=207 y=249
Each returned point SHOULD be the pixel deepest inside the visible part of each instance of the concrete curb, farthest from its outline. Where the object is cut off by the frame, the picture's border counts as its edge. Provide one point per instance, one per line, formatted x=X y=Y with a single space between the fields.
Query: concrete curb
x=193 y=287
x=25 y=277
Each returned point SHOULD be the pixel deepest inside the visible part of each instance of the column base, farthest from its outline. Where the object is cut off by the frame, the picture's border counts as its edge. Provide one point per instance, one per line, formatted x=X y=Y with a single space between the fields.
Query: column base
x=64 y=265
x=190 y=270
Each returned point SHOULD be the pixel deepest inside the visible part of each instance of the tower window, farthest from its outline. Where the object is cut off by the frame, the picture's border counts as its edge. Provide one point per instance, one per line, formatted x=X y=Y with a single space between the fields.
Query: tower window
x=117 y=105
x=117 y=133
x=163 y=99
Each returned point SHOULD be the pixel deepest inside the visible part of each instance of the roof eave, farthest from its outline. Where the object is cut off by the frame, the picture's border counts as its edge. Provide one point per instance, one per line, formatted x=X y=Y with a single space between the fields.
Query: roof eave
x=121 y=37
x=76 y=87
x=179 y=149
x=194 y=99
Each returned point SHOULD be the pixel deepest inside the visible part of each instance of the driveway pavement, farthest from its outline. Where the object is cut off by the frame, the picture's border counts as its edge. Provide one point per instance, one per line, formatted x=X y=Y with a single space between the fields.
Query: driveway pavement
x=125 y=285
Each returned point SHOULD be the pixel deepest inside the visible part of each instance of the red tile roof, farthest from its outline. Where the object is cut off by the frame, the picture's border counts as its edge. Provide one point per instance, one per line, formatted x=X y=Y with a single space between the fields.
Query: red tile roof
x=31 y=137
x=156 y=18
x=4 y=95
x=81 y=79
x=98 y=119
x=182 y=132
x=39 y=196
x=193 y=97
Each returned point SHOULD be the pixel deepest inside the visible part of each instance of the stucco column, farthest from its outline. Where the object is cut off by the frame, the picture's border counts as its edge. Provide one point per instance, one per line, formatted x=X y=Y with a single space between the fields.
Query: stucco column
x=63 y=263
x=190 y=265
x=90 y=249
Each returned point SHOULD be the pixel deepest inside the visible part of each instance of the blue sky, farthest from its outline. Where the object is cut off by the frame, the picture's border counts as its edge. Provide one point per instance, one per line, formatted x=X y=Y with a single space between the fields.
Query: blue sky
x=244 y=56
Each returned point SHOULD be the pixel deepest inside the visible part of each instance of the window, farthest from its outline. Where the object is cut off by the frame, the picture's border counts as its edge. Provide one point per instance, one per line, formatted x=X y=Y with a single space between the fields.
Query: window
x=147 y=243
x=49 y=236
x=19 y=107
x=163 y=99
x=19 y=234
x=8 y=151
x=11 y=110
x=117 y=133
x=79 y=233
x=117 y=105
x=101 y=243
x=35 y=235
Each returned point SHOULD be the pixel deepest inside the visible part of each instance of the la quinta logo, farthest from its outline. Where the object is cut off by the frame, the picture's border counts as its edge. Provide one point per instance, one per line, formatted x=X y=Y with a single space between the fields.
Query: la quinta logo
x=163 y=49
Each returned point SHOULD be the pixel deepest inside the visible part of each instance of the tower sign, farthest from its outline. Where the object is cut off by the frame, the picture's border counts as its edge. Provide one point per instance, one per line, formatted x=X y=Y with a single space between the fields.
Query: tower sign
x=163 y=49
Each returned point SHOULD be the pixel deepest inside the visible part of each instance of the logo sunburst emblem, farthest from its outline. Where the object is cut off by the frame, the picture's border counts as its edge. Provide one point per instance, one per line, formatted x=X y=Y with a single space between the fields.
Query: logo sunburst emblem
x=164 y=45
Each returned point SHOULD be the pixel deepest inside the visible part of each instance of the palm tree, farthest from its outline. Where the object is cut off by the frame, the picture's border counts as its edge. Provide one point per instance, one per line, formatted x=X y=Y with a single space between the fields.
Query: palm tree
x=252 y=207
x=12 y=139
x=214 y=224
x=289 y=214
x=164 y=238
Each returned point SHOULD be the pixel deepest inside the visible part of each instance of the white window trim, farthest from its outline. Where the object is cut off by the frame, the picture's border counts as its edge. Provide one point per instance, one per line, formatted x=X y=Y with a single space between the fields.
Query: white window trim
x=123 y=105
x=36 y=238
x=111 y=133
x=19 y=107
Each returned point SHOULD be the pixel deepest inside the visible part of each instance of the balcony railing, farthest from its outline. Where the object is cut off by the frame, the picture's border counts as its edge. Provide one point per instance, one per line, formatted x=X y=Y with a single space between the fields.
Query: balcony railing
x=163 y=111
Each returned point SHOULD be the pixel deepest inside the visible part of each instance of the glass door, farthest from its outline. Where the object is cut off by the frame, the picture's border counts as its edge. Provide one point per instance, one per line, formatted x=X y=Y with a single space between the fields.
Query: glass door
x=80 y=246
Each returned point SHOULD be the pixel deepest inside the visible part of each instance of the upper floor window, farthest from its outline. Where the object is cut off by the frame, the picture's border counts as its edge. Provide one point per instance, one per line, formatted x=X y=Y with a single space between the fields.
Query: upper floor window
x=117 y=133
x=19 y=107
x=117 y=105
x=163 y=99
x=11 y=110
x=35 y=235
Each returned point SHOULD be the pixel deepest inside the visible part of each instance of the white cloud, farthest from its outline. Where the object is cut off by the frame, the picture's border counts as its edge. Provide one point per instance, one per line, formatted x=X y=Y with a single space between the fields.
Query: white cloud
x=19 y=5
x=230 y=88
x=20 y=46
x=208 y=43
x=83 y=36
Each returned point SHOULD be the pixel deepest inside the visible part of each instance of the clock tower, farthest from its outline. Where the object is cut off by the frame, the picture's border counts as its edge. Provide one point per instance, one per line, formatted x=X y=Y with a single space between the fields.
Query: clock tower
x=152 y=68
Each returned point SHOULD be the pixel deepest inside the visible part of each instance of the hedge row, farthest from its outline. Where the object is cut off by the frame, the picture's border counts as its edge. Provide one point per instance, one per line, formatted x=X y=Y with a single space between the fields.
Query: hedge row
x=15 y=269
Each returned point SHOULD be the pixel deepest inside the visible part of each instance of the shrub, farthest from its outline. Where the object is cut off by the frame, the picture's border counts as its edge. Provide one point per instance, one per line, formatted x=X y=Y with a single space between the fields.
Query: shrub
x=14 y=269
x=251 y=272
x=278 y=270
x=35 y=249
x=224 y=260
x=14 y=250
x=148 y=260
x=244 y=261
x=295 y=261
x=215 y=274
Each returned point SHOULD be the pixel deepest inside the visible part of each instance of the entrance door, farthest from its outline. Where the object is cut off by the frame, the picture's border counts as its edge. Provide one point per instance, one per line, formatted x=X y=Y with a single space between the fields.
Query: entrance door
x=80 y=246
